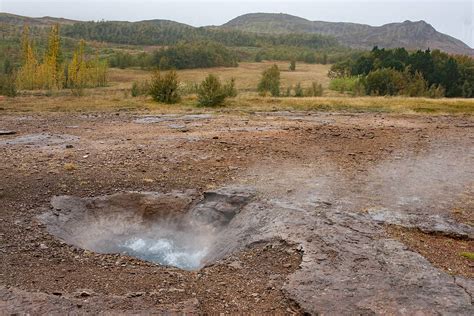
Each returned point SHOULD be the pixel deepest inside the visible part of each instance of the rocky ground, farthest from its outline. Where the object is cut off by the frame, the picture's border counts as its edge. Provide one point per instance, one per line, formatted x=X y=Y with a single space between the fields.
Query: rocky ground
x=353 y=199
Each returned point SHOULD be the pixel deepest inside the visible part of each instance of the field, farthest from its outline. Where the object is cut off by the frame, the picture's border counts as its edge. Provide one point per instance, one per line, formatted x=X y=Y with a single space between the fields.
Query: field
x=337 y=203
x=117 y=95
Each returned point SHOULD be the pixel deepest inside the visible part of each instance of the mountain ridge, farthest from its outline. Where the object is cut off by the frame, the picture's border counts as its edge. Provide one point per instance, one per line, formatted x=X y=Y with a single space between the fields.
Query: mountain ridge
x=408 y=34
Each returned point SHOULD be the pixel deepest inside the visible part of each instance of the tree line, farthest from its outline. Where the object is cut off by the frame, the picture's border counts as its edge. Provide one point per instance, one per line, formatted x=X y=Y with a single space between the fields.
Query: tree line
x=419 y=73
x=170 y=33
x=205 y=54
x=52 y=71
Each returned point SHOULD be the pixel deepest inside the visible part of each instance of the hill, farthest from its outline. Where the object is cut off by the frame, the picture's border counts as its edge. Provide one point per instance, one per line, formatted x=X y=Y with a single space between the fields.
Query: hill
x=256 y=29
x=411 y=35
x=19 y=20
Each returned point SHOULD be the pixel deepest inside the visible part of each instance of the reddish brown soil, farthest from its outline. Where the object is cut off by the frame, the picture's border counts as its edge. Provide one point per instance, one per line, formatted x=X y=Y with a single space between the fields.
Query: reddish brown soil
x=116 y=154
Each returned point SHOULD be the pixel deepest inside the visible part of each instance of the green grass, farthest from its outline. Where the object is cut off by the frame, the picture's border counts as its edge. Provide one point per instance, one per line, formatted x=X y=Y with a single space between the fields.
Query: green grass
x=468 y=255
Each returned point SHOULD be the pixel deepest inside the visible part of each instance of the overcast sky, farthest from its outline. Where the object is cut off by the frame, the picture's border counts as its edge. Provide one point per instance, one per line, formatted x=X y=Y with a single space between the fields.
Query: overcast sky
x=451 y=17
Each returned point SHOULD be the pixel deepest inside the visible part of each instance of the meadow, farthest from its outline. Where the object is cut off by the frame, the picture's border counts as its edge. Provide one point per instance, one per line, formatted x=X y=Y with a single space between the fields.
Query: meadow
x=116 y=95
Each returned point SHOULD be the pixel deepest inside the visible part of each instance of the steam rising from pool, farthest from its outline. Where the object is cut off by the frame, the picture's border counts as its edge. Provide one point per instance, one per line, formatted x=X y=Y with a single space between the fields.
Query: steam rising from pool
x=174 y=229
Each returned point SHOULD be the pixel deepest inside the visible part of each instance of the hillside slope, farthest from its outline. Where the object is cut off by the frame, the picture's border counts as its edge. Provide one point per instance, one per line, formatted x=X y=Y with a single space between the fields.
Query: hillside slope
x=411 y=35
x=19 y=20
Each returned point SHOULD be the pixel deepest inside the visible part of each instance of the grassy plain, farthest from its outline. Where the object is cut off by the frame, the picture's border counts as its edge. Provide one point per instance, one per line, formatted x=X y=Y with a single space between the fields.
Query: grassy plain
x=116 y=97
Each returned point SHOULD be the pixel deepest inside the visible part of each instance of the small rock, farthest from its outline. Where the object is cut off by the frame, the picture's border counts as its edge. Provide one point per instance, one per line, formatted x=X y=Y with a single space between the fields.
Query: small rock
x=43 y=246
x=83 y=293
x=135 y=294
x=4 y=132
x=69 y=146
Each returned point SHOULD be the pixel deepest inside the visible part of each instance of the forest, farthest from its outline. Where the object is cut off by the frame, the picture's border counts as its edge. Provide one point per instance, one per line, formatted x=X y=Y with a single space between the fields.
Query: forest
x=170 y=33
x=399 y=72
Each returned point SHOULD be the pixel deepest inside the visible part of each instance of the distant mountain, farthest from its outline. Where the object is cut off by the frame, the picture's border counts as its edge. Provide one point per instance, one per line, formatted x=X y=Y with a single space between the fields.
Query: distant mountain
x=13 y=19
x=411 y=35
x=248 y=29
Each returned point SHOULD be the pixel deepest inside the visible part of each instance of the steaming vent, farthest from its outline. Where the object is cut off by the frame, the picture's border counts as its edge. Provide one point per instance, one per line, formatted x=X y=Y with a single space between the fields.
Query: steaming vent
x=175 y=229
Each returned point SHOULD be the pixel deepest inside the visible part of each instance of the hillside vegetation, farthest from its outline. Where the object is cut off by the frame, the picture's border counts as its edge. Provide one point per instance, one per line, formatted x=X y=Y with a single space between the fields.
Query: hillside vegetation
x=411 y=35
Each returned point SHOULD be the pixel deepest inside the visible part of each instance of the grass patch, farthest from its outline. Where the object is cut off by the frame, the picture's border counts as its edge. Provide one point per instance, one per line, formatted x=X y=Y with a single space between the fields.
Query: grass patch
x=468 y=255
x=116 y=97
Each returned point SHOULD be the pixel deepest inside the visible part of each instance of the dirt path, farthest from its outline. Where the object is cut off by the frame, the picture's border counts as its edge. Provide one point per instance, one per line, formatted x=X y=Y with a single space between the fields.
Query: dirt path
x=417 y=167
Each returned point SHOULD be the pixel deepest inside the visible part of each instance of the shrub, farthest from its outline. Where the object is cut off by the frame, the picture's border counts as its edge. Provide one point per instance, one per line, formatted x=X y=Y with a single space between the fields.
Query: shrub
x=292 y=65
x=344 y=84
x=164 y=88
x=270 y=81
x=416 y=85
x=140 y=88
x=385 y=81
x=7 y=86
x=230 y=89
x=212 y=92
x=436 y=91
x=299 y=90
x=187 y=88
x=316 y=90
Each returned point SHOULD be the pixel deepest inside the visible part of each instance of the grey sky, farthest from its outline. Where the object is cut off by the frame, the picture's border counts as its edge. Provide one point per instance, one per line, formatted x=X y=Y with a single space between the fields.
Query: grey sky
x=451 y=17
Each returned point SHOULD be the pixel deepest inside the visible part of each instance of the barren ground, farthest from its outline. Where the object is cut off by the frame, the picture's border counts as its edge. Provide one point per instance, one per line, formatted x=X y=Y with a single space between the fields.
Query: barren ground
x=364 y=161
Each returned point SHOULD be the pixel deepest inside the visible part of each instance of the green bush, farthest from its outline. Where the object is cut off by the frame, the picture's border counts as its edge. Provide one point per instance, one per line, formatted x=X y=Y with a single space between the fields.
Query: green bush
x=436 y=91
x=385 y=81
x=299 y=93
x=164 y=88
x=212 y=92
x=415 y=86
x=7 y=85
x=230 y=89
x=140 y=88
x=344 y=84
x=270 y=81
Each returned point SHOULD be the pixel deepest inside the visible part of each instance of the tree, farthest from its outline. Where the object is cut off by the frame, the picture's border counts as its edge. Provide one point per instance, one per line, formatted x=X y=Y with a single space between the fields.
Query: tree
x=77 y=70
x=416 y=85
x=385 y=82
x=7 y=85
x=26 y=78
x=164 y=88
x=309 y=58
x=270 y=81
x=293 y=65
x=51 y=71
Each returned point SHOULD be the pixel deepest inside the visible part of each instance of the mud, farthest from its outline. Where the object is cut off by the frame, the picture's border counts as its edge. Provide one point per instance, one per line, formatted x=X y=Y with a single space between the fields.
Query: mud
x=313 y=239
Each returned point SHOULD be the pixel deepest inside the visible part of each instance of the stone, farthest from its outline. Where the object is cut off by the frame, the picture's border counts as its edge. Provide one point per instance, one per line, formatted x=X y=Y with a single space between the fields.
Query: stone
x=7 y=132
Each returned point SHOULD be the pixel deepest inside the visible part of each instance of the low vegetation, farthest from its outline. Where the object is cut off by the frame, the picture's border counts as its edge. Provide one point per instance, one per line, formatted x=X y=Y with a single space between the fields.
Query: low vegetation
x=398 y=72
x=165 y=88
x=270 y=82
x=468 y=255
x=53 y=72
x=212 y=92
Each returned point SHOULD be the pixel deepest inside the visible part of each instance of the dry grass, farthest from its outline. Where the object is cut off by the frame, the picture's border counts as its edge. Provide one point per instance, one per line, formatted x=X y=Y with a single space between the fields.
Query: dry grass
x=246 y=75
x=116 y=97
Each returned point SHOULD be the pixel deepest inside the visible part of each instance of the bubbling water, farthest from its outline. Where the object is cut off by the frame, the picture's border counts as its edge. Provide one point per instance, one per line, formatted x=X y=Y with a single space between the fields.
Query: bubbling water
x=164 y=251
